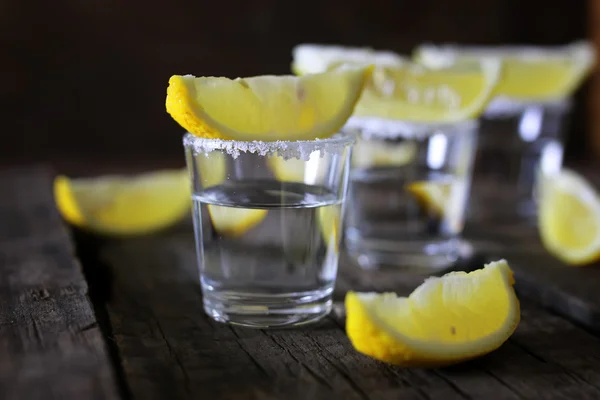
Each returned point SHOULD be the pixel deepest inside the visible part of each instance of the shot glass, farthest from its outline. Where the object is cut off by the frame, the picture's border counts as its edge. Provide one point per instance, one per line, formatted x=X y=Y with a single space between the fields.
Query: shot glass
x=409 y=185
x=267 y=217
x=515 y=140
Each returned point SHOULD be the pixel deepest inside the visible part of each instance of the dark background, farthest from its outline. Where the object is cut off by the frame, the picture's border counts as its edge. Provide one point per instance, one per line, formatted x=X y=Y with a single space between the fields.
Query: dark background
x=85 y=80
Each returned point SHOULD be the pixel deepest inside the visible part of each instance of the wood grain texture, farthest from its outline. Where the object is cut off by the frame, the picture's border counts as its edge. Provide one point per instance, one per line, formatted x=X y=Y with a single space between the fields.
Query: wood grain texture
x=50 y=343
x=170 y=348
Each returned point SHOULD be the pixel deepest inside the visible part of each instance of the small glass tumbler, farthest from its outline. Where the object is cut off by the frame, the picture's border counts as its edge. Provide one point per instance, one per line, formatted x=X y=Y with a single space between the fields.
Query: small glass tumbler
x=267 y=217
x=409 y=185
x=515 y=139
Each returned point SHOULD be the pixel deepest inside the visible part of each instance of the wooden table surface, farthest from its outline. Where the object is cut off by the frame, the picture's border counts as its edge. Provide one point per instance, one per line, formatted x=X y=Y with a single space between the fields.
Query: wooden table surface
x=89 y=318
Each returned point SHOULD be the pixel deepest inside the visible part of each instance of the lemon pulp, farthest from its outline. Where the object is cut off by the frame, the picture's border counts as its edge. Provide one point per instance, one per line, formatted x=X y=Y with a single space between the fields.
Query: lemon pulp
x=125 y=205
x=528 y=73
x=266 y=108
x=445 y=320
x=569 y=217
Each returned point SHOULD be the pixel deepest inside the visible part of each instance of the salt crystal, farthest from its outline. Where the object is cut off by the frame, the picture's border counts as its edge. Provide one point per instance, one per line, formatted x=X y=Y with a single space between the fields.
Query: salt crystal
x=300 y=149
x=503 y=107
x=382 y=128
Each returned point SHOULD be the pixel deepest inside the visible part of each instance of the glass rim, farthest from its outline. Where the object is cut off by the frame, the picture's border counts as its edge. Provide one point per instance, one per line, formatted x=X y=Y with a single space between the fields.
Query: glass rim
x=387 y=128
x=501 y=106
x=284 y=148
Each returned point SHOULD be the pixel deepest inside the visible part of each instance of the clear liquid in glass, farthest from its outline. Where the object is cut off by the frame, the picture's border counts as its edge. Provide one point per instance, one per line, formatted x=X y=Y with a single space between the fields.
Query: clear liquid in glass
x=407 y=198
x=513 y=144
x=276 y=264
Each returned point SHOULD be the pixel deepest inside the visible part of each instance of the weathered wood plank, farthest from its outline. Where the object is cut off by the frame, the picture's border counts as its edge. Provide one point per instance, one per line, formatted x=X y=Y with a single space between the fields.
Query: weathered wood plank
x=50 y=343
x=169 y=347
x=547 y=357
x=156 y=297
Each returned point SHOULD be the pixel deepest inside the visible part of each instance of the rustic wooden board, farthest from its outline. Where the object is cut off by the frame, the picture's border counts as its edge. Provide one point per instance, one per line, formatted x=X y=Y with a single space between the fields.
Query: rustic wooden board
x=50 y=343
x=171 y=349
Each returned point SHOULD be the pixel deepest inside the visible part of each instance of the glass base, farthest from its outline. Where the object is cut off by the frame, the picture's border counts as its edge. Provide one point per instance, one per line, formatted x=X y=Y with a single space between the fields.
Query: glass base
x=260 y=310
x=418 y=256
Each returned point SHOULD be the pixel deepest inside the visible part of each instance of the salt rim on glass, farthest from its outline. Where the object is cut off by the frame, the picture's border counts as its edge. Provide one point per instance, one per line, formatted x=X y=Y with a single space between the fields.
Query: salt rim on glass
x=382 y=128
x=503 y=107
x=300 y=149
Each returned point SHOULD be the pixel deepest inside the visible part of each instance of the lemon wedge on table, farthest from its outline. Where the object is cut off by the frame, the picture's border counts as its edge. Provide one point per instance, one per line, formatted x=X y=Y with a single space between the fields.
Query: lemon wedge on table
x=314 y=58
x=529 y=73
x=266 y=108
x=416 y=93
x=569 y=217
x=446 y=320
x=125 y=205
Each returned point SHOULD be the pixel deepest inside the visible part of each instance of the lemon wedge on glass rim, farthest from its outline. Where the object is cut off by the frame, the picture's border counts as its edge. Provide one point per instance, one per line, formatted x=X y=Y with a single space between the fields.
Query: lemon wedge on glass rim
x=262 y=108
x=125 y=205
x=446 y=320
x=529 y=73
x=569 y=217
x=415 y=93
x=266 y=108
x=400 y=89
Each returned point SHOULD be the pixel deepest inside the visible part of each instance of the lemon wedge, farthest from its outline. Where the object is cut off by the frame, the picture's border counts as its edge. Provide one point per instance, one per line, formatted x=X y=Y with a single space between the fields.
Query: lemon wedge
x=314 y=58
x=311 y=171
x=291 y=170
x=329 y=224
x=372 y=153
x=415 y=93
x=296 y=170
x=432 y=196
x=529 y=73
x=569 y=217
x=403 y=90
x=212 y=168
x=266 y=108
x=120 y=205
x=234 y=222
x=446 y=320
